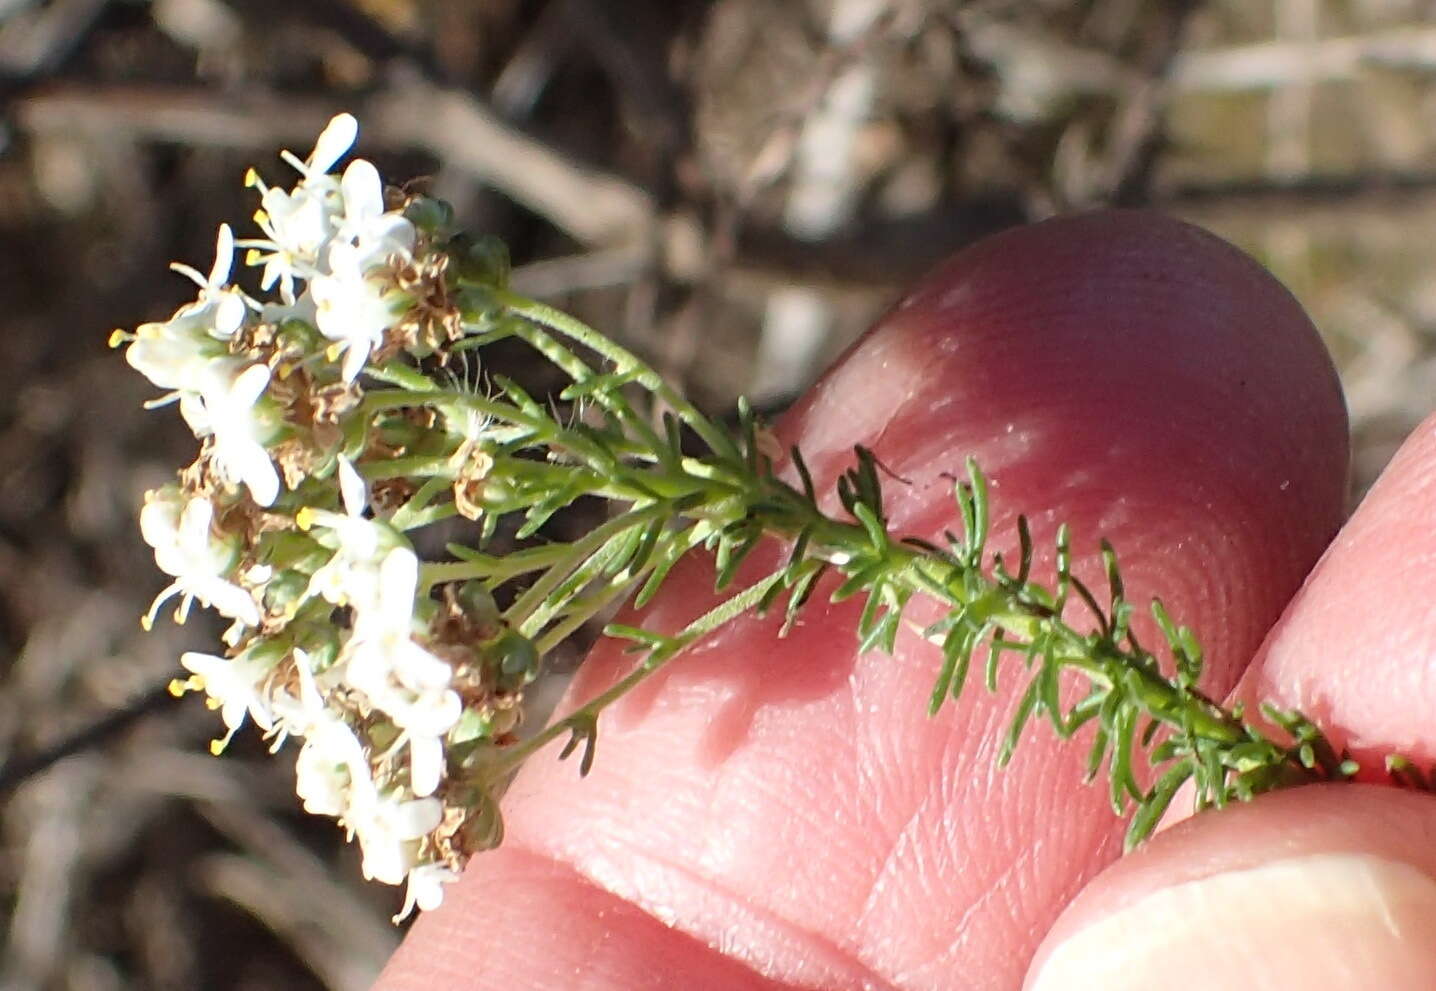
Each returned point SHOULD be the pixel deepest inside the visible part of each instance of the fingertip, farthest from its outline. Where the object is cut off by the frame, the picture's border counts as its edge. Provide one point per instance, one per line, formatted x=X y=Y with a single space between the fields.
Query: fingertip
x=1126 y=373
x=1328 y=887
x=1356 y=649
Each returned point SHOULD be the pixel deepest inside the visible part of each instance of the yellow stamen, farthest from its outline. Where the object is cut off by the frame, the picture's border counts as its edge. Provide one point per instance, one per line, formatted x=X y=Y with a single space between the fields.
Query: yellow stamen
x=304 y=519
x=118 y=337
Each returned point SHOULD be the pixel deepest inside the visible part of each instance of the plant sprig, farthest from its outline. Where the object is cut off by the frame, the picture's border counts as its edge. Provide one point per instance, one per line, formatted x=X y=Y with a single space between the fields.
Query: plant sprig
x=342 y=418
x=1149 y=725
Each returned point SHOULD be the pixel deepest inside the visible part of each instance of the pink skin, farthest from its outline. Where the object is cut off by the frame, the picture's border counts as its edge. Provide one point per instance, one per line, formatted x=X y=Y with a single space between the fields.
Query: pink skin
x=1356 y=649
x=782 y=813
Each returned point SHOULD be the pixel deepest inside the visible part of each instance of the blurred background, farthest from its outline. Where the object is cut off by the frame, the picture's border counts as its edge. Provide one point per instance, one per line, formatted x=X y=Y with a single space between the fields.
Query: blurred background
x=735 y=188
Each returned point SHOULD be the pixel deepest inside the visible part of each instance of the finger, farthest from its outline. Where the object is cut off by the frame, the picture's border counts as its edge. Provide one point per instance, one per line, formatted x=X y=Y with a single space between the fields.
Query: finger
x=1323 y=888
x=788 y=801
x=1356 y=652
x=545 y=927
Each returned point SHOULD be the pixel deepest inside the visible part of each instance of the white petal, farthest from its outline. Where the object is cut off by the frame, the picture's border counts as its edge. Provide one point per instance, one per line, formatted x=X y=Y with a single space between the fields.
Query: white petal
x=228 y=314
x=384 y=859
x=355 y=356
x=398 y=580
x=223 y=257
x=200 y=664
x=367 y=670
x=194 y=525
x=352 y=488
x=196 y=414
x=363 y=191
x=426 y=764
x=258 y=473
x=228 y=600
x=167 y=593
x=337 y=138
x=430 y=892
x=160 y=517
x=419 y=669
x=420 y=817
x=250 y=385
x=425 y=889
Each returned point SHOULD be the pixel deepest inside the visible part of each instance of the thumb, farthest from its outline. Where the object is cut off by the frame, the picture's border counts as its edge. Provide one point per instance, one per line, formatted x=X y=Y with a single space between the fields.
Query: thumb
x=1328 y=887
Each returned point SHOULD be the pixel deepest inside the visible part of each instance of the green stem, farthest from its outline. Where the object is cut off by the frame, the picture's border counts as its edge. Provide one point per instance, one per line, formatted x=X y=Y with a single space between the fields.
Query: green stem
x=579 y=552
x=626 y=363
x=407 y=516
x=587 y=714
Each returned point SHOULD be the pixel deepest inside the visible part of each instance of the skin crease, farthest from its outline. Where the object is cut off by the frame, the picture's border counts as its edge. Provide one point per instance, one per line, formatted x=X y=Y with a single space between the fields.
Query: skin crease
x=782 y=813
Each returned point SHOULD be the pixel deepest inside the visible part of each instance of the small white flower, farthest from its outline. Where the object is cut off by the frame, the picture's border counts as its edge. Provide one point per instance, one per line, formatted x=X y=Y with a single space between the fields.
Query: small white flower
x=351 y=576
x=426 y=889
x=424 y=722
x=353 y=308
x=365 y=222
x=187 y=549
x=176 y=353
x=332 y=144
x=235 y=686
x=171 y=354
x=401 y=678
x=389 y=831
x=354 y=305
x=298 y=225
x=332 y=770
x=225 y=406
x=215 y=292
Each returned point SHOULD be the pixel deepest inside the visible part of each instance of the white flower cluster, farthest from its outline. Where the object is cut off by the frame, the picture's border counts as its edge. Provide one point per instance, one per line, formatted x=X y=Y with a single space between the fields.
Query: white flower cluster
x=333 y=642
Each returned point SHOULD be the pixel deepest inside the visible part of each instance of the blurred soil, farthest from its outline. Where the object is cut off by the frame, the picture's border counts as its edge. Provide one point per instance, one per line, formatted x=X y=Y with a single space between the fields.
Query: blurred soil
x=734 y=187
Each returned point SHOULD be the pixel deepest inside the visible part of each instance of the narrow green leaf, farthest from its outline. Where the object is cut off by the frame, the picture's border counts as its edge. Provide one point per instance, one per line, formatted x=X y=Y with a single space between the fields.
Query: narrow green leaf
x=610 y=382
x=809 y=493
x=1123 y=782
x=673 y=434
x=1095 y=754
x=1151 y=809
x=877 y=532
x=877 y=635
x=1019 y=722
x=977 y=536
x=1115 y=587
x=1085 y=594
x=1049 y=694
x=738 y=553
x=1024 y=539
x=646 y=546
x=956 y=656
x=748 y=427
x=519 y=397
x=668 y=556
x=858 y=581
x=963 y=545
x=802 y=591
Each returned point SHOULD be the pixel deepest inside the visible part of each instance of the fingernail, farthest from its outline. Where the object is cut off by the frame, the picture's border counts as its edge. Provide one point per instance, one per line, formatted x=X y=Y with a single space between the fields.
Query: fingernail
x=1335 y=920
